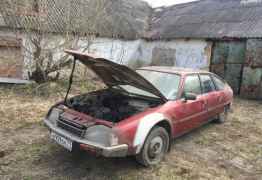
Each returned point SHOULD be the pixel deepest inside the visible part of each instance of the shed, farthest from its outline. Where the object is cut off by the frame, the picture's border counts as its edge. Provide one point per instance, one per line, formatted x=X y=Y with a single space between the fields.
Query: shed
x=233 y=26
x=223 y=36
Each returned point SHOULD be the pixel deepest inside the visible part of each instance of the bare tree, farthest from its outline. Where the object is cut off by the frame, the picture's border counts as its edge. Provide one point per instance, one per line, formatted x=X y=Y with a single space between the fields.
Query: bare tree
x=49 y=26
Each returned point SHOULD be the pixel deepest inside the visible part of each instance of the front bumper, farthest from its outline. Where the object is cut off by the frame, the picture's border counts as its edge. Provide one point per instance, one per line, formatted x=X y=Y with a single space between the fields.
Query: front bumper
x=114 y=151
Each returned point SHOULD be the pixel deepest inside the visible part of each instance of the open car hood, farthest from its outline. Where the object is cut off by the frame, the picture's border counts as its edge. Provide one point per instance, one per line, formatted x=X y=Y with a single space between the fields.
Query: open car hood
x=113 y=74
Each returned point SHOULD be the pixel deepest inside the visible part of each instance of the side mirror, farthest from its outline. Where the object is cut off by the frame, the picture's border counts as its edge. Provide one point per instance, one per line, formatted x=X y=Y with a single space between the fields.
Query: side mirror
x=190 y=96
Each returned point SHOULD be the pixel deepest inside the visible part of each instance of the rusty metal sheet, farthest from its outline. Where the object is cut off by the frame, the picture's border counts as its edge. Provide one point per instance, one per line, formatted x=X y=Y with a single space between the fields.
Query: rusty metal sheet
x=236 y=52
x=229 y=52
x=227 y=61
x=208 y=54
x=233 y=76
x=220 y=53
x=218 y=69
x=231 y=73
x=163 y=57
x=252 y=83
x=254 y=53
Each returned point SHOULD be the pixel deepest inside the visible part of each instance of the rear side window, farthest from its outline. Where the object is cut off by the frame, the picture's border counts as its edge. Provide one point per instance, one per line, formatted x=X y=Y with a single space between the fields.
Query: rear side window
x=207 y=83
x=220 y=85
x=192 y=85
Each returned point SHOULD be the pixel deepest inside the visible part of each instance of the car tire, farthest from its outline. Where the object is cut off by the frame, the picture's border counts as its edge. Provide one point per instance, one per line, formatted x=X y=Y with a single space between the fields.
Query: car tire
x=222 y=117
x=154 y=148
x=76 y=149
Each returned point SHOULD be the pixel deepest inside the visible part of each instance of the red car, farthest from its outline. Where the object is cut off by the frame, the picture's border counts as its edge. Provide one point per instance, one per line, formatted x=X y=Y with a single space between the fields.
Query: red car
x=139 y=112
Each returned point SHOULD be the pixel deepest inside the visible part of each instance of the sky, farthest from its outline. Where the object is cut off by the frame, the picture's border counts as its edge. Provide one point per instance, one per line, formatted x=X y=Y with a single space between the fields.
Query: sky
x=157 y=3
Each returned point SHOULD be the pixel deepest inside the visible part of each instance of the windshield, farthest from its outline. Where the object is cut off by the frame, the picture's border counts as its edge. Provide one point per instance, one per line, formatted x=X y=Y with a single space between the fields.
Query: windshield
x=166 y=83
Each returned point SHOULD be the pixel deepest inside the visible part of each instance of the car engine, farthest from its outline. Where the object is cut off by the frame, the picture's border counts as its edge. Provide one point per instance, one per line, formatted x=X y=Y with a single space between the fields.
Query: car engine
x=110 y=105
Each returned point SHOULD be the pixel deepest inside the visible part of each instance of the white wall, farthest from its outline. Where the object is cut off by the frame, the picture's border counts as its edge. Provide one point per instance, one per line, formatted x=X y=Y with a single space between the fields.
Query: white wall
x=187 y=53
x=116 y=50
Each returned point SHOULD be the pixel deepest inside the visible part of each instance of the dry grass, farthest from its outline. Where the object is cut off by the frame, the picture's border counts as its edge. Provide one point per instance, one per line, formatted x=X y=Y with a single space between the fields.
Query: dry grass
x=229 y=151
x=21 y=105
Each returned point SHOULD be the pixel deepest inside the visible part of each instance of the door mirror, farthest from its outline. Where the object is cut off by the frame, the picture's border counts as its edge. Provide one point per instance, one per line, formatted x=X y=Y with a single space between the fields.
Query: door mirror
x=190 y=96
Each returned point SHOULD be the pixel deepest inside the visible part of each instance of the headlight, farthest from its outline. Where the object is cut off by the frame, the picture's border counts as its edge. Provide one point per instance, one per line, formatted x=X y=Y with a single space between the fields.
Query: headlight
x=102 y=135
x=54 y=115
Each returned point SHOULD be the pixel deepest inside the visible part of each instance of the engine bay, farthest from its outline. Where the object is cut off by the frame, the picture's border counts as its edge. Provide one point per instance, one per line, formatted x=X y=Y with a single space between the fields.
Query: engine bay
x=111 y=105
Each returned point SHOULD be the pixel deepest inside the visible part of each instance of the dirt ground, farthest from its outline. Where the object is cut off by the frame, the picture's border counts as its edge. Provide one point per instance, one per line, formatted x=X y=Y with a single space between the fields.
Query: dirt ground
x=229 y=151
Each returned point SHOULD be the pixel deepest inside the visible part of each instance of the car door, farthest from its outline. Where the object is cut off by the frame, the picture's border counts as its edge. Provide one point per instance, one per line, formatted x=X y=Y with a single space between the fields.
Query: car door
x=211 y=95
x=220 y=87
x=191 y=113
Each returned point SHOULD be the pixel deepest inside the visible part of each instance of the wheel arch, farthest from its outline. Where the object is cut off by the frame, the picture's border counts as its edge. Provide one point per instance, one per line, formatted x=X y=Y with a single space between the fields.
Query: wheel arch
x=166 y=125
x=145 y=127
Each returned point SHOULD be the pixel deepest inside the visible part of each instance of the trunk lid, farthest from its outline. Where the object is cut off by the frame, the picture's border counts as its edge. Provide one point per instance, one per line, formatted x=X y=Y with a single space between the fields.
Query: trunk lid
x=113 y=74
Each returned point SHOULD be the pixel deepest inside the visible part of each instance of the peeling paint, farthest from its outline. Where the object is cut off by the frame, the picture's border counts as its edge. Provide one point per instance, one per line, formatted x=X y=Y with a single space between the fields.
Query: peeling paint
x=165 y=57
x=181 y=53
x=252 y=73
x=188 y=53
x=208 y=53
x=252 y=83
x=254 y=53
x=227 y=61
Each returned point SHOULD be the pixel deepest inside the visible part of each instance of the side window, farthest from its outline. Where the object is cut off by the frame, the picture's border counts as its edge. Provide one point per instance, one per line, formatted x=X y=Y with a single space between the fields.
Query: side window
x=192 y=85
x=207 y=84
x=220 y=85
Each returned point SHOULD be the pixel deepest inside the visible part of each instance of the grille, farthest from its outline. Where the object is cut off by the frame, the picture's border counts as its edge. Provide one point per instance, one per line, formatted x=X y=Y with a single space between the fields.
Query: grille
x=71 y=127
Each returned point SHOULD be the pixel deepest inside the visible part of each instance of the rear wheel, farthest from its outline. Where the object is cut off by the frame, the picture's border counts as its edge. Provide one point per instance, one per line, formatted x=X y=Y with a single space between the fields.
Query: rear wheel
x=222 y=117
x=155 y=147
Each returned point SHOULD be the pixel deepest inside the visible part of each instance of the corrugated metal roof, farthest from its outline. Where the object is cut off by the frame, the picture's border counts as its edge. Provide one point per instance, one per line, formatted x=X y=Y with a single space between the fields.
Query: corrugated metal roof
x=208 y=19
x=106 y=18
x=135 y=19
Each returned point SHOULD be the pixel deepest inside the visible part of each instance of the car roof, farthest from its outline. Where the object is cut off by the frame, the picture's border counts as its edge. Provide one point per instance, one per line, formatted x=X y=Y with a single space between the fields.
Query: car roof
x=175 y=70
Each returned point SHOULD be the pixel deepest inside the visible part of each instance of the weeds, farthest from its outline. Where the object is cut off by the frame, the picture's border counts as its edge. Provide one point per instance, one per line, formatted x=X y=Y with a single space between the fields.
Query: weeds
x=228 y=151
x=26 y=104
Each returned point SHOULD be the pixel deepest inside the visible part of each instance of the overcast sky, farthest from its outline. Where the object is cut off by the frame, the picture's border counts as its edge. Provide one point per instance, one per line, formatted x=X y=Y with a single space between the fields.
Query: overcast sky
x=157 y=3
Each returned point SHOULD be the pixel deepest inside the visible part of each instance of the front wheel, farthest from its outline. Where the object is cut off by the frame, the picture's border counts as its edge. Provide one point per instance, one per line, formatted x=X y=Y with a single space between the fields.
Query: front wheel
x=155 y=147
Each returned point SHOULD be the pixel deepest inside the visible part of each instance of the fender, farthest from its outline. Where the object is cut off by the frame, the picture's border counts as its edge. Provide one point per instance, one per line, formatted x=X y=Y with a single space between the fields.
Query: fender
x=145 y=126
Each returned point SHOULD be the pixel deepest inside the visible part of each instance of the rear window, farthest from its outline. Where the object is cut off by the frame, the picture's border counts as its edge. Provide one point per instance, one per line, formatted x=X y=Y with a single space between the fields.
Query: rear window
x=207 y=83
x=220 y=85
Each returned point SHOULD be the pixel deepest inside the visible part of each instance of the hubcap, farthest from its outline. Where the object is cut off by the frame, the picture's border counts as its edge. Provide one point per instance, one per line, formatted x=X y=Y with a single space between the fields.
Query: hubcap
x=155 y=147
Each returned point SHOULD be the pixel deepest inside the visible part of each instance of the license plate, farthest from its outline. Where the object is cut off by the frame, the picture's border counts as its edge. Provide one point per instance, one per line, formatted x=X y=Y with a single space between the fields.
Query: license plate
x=66 y=143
